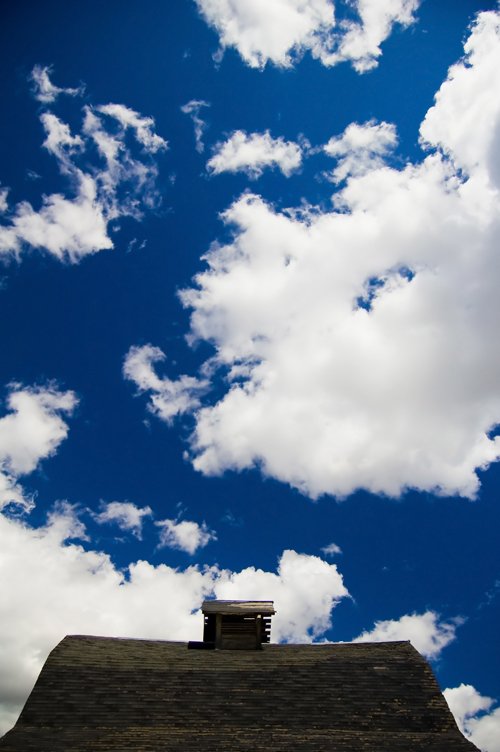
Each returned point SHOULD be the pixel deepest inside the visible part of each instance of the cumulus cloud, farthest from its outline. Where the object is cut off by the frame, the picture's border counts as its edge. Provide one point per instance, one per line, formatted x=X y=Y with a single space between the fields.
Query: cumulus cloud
x=30 y=432
x=475 y=716
x=281 y=31
x=361 y=148
x=357 y=347
x=193 y=108
x=184 y=535
x=66 y=589
x=251 y=153
x=360 y=40
x=117 y=181
x=170 y=397
x=426 y=633
x=127 y=516
x=305 y=589
x=44 y=90
x=464 y=122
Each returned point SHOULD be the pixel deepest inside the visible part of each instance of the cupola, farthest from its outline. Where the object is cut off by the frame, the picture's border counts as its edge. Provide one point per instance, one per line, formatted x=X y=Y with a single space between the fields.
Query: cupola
x=235 y=625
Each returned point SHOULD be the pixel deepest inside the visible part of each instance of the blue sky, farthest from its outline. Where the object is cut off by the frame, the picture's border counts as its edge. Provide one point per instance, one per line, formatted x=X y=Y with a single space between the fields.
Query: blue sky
x=249 y=311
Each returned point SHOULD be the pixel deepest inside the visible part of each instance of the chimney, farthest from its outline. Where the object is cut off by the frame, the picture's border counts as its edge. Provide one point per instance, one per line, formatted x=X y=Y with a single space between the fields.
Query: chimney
x=235 y=625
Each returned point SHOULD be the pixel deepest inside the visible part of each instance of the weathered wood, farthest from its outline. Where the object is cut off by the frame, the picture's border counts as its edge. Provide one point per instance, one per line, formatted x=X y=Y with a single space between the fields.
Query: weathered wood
x=238 y=607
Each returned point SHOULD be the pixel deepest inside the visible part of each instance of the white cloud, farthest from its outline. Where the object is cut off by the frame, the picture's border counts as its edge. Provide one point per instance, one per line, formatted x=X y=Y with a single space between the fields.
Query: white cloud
x=59 y=140
x=331 y=550
x=126 y=515
x=305 y=589
x=465 y=120
x=30 y=432
x=43 y=88
x=69 y=229
x=251 y=153
x=170 y=398
x=193 y=108
x=4 y=204
x=359 y=41
x=185 y=535
x=141 y=126
x=474 y=716
x=357 y=348
x=361 y=148
x=52 y=588
x=263 y=31
x=103 y=189
x=281 y=31
x=426 y=633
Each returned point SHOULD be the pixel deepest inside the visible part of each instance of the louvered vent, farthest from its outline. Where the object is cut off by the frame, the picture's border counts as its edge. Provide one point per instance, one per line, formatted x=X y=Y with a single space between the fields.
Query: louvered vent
x=235 y=625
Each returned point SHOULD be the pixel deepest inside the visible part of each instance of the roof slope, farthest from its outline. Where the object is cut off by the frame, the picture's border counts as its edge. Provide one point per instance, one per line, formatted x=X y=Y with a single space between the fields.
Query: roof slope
x=97 y=694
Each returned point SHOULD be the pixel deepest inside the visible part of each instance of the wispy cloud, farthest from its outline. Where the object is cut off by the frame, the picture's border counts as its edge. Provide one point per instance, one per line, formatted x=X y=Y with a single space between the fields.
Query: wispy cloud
x=117 y=182
x=331 y=550
x=44 y=90
x=125 y=515
x=169 y=397
x=193 y=109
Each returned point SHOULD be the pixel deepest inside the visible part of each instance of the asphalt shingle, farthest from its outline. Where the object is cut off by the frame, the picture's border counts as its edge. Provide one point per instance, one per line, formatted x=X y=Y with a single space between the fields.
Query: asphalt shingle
x=98 y=693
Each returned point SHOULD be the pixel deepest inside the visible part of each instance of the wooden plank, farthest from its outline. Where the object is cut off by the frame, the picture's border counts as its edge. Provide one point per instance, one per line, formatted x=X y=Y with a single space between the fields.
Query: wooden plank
x=238 y=607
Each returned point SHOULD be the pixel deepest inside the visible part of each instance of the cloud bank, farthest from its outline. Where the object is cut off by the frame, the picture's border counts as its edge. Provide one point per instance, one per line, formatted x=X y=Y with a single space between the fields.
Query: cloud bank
x=70 y=590
x=109 y=176
x=358 y=346
x=281 y=31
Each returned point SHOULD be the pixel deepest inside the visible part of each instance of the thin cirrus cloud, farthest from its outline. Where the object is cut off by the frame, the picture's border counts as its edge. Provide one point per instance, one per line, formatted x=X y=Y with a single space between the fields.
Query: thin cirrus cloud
x=331 y=550
x=358 y=346
x=193 y=109
x=475 y=715
x=31 y=431
x=107 y=179
x=44 y=90
x=281 y=31
x=252 y=153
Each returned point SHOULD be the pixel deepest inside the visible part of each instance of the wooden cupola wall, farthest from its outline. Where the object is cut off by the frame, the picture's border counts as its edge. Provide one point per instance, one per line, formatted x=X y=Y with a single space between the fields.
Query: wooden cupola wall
x=235 y=625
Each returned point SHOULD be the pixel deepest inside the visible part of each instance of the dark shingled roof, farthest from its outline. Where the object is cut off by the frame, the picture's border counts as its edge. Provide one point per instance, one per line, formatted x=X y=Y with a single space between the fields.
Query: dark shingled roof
x=101 y=694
